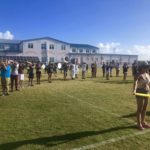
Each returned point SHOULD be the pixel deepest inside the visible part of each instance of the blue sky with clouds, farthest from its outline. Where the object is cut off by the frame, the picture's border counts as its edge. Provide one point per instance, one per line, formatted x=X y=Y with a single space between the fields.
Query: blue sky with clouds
x=118 y=26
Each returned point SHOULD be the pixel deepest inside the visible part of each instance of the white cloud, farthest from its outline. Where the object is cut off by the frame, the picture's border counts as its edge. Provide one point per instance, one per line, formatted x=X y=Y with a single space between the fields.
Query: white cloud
x=143 y=51
x=6 y=35
x=109 y=47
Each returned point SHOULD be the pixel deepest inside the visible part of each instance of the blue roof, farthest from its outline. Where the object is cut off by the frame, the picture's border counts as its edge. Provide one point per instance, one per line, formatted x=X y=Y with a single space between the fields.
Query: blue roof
x=87 y=46
x=45 y=38
x=9 y=41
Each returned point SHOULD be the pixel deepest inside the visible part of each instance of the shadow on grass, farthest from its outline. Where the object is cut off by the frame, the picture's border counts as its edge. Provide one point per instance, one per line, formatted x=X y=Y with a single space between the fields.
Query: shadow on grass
x=129 y=115
x=134 y=115
x=116 y=81
x=60 y=139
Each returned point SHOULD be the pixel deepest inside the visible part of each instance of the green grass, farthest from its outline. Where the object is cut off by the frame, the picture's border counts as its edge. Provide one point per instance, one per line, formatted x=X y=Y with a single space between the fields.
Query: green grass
x=71 y=114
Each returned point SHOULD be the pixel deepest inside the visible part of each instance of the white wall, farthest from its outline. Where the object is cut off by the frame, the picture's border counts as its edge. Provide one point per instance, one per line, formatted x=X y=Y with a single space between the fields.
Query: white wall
x=106 y=58
x=57 y=52
x=35 y=51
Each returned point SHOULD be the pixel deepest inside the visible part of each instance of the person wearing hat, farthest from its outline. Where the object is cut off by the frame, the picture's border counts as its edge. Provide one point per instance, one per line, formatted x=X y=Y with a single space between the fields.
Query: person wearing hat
x=142 y=85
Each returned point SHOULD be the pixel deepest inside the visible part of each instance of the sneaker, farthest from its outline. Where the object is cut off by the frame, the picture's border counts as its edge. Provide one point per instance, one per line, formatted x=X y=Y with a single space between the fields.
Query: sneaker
x=3 y=94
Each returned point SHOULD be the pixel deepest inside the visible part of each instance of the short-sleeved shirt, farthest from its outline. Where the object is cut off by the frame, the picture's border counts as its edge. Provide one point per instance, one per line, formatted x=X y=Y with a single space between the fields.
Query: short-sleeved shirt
x=125 y=69
x=8 y=71
x=50 y=69
x=5 y=72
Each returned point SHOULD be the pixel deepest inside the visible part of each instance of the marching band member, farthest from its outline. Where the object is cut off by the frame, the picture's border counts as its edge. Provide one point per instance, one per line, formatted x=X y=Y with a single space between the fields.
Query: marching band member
x=30 y=73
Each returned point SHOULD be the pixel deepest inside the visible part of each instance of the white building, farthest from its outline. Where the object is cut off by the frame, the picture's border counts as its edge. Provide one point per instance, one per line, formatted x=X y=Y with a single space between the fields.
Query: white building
x=49 y=49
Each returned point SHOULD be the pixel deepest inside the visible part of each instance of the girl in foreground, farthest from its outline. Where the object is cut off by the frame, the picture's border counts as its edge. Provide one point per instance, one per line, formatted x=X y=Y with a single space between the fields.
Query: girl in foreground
x=142 y=85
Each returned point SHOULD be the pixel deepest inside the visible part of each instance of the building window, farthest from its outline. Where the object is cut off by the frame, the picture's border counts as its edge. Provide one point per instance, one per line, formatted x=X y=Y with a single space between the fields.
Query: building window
x=7 y=47
x=74 y=50
x=43 y=46
x=14 y=47
x=81 y=50
x=44 y=59
x=93 y=51
x=1 y=46
x=87 y=51
x=51 y=59
x=63 y=47
x=30 y=45
x=51 y=46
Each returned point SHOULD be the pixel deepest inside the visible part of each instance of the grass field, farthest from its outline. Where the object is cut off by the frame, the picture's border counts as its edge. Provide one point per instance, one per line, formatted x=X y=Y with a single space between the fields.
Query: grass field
x=93 y=114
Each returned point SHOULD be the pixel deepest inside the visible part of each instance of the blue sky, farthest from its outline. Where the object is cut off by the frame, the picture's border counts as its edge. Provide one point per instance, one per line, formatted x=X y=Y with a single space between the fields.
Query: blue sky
x=120 y=26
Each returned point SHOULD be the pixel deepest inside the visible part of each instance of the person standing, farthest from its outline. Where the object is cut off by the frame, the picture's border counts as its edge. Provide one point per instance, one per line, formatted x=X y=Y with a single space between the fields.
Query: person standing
x=55 y=69
x=111 y=67
x=30 y=73
x=92 y=70
x=5 y=77
x=65 y=70
x=103 y=69
x=117 y=69
x=142 y=85
x=95 y=70
x=38 y=72
x=21 y=74
x=14 y=76
x=107 y=71
x=135 y=70
x=83 y=70
x=50 y=69
x=72 y=71
x=76 y=70
x=87 y=67
x=125 y=71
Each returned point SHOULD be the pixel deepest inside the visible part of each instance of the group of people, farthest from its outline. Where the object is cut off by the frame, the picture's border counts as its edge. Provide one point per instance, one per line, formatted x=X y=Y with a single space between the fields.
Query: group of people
x=12 y=73
x=108 y=67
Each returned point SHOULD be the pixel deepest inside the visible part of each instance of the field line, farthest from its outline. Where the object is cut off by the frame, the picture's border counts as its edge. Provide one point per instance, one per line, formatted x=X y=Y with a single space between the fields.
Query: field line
x=112 y=140
x=96 y=107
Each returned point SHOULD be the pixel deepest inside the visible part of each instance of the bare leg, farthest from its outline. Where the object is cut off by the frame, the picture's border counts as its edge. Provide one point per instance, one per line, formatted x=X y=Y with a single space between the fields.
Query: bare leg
x=144 y=124
x=139 y=111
